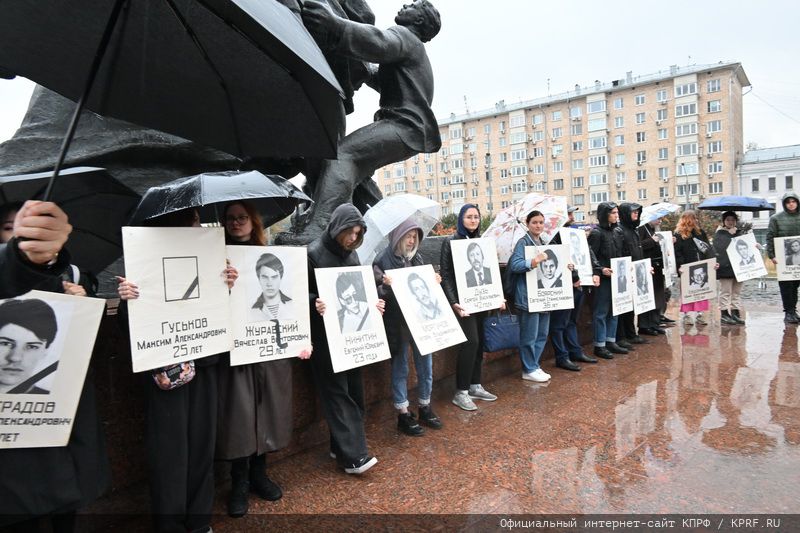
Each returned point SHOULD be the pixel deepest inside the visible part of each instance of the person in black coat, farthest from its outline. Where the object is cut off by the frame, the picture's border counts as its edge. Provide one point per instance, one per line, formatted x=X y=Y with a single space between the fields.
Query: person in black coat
x=629 y=214
x=730 y=302
x=341 y=393
x=606 y=243
x=692 y=245
x=650 y=321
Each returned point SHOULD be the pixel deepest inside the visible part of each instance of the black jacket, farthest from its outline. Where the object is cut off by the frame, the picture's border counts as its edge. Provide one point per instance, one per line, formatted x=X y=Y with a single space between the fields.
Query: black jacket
x=447 y=271
x=604 y=241
x=628 y=228
x=686 y=251
x=722 y=238
x=650 y=248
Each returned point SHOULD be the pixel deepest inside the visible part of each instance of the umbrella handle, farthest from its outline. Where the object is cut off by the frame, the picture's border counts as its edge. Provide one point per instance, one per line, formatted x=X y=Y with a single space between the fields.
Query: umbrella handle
x=73 y=124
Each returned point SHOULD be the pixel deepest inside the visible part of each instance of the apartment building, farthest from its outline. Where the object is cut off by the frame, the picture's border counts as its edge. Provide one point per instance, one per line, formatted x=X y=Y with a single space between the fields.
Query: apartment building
x=768 y=173
x=675 y=135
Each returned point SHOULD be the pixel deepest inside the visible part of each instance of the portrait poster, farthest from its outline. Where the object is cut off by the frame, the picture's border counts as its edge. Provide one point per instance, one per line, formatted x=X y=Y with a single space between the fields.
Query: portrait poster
x=698 y=281
x=621 y=285
x=550 y=283
x=745 y=258
x=431 y=320
x=182 y=312
x=46 y=342
x=578 y=253
x=644 y=298
x=477 y=274
x=787 y=253
x=353 y=325
x=668 y=254
x=269 y=303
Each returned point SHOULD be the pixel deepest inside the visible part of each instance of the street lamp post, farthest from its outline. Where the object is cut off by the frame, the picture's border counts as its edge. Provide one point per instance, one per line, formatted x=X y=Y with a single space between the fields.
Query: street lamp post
x=685 y=185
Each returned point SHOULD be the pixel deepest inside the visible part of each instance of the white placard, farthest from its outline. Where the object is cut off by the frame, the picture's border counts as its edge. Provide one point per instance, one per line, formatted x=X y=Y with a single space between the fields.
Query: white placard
x=644 y=298
x=182 y=312
x=430 y=318
x=549 y=285
x=787 y=253
x=745 y=258
x=698 y=281
x=668 y=254
x=621 y=285
x=46 y=342
x=269 y=303
x=353 y=325
x=579 y=253
x=477 y=274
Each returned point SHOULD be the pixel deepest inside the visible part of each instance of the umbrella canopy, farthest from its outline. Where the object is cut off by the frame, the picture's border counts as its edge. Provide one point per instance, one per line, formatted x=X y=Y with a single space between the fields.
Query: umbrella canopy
x=389 y=213
x=736 y=203
x=242 y=76
x=97 y=206
x=656 y=211
x=509 y=225
x=274 y=197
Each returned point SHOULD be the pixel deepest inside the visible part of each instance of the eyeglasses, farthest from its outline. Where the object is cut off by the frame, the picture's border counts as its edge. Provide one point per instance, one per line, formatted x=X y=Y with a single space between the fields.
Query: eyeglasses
x=241 y=219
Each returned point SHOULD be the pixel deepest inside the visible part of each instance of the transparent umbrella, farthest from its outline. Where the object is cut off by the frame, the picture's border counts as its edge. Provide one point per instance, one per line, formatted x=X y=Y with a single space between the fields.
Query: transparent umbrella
x=389 y=213
x=656 y=211
x=509 y=224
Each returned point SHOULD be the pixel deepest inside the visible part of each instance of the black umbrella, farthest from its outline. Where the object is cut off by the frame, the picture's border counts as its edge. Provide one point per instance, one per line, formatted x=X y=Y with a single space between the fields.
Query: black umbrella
x=736 y=203
x=97 y=206
x=243 y=76
x=274 y=197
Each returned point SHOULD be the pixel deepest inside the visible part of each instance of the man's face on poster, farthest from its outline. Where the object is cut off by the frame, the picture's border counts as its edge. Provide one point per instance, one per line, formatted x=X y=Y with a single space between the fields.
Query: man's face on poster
x=20 y=353
x=699 y=276
x=641 y=280
x=270 y=281
x=794 y=246
x=575 y=243
x=348 y=299
x=420 y=290
x=548 y=268
x=743 y=249
x=475 y=258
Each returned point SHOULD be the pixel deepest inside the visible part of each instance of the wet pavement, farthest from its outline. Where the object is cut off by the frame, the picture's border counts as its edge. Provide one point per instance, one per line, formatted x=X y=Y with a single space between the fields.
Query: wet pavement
x=699 y=421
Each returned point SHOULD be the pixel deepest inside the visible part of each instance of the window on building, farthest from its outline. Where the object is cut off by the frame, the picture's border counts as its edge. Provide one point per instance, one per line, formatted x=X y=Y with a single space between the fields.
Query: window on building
x=504 y=189
x=487 y=129
x=575 y=112
x=576 y=129
x=713 y=86
x=641 y=137
x=577 y=146
x=663 y=192
x=538 y=151
x=663 y=153
x=642 y=194
x=557 y=132
x=538 y=136
x=598 y=142
x=641 y=175
x=715 y=188
x=618 y=103
x=663 y=172
x=577 y=199
x=518 y=137
x=693 y=188
x=556 y=115
x=661 y=95
x=686 y=149
x=686 y=129
x=387 y=174
x=502 y=126
x=619 y=140
x=714 y=147
x=640 y=118
x=458 y=163
x=598 y=179
x=503 y=173
x=428 y=183
x=519 y=187
x=387 y=189
x=596 y=124
x=456 y=149
x=754 y=183
x=557 y=149
x=687 y=169
x=771 y=183
x=558 y=185
x=638 y=99
x=641 y=156
x=619 y=159
x=455 y=133
x=685 y=110
x=558 y=166
x=598 y=160
x=474 y=193
x=459 y=193
x=577 y=164
x=538 y=169
x=596 y=107
x=577 y=182
x=519 y=155
x=789 y=180
x=619 y=122
x=714 y=106
x=715 y=167
x=685 y=89
x=621 y=196
x=662 y=134
x=445 y=195
x=714 y=126
x=598 y=197
x=620 y=177
x=517 y=121
x=661 y=114
x=501 y=141
x=537 y=119
x=502 y=157
x=519 y=170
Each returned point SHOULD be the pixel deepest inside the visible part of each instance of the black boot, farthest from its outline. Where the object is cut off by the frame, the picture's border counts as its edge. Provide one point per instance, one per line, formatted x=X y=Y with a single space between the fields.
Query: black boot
x=260 y=484
x=614 y=347
x=736 y=316
x=428 y=417
x=790 y=318
x=240 y=487
x=726 y=318
x=409 y=425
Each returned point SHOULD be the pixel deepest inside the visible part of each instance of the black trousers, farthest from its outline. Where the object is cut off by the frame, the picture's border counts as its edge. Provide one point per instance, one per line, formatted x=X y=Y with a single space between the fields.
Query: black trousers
x=625 y=327
x=342 y=399
x=789 y=295
x=181 y=434
x=470 y=353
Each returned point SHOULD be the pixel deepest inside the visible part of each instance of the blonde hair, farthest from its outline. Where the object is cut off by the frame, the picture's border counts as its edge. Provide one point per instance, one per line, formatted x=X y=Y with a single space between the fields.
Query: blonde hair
x=687 y=225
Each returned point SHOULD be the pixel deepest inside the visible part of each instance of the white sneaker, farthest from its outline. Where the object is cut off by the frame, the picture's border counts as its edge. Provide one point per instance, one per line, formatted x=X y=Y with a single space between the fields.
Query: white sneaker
x=477 y=392
x=538 y=375
x=462 y=400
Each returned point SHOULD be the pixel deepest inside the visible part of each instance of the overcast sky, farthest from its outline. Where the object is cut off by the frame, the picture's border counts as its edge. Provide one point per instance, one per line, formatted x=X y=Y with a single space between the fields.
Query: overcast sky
x=514 y=50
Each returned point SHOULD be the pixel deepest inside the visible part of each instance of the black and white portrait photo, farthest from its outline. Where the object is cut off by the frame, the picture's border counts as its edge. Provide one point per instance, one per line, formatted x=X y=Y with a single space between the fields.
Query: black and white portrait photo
x=621 y=285
x=745 y=258
x=549 y=274
x=642 y=279
x=579 y=254
x=792 y=251
x=427 y=307
x=698 y=277
x=478 y=274
x=272 y=301
x=746 y=254
x=622 y=280
x=698 y=281
x=353 y=310
x=27 y=331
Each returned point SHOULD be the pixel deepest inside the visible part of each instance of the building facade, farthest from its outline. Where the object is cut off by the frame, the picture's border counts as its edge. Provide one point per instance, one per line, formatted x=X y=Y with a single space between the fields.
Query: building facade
x=768 y=173
x=672 y=136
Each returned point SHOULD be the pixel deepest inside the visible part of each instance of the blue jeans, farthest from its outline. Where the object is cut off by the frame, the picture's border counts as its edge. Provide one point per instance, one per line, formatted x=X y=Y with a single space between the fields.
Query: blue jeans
x=564 y=329
x=533 y=329
x=605 y=324
x=424 y=366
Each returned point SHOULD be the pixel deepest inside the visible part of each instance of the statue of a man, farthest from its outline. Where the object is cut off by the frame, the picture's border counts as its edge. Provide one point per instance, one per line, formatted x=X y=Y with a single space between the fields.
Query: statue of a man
x=404 y=125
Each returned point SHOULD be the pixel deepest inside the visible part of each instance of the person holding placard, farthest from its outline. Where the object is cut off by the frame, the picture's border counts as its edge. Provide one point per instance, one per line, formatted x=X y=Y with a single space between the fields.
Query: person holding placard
x=786 y=224
x=470 y=354
x=403 y=251
x=692 y=245
x=341 y=394
x=533 y=327
x=629 y=214
x=650 y=322
x=729 y=288
x=254 y=411
x=181 y=422
x=606 y=243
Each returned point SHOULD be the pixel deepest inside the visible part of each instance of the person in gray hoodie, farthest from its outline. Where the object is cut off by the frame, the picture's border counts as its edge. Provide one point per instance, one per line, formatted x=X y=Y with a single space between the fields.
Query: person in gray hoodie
x=342 y=393
x=786 y=224
x=403 y=251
